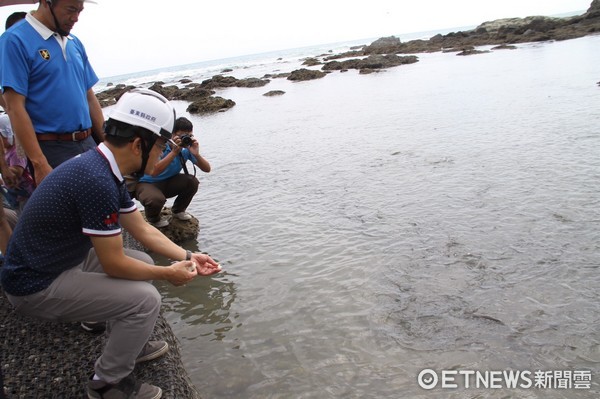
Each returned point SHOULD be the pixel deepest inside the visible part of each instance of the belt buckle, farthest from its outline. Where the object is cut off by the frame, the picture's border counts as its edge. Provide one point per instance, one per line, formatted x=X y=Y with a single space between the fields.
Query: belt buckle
x=74 y=136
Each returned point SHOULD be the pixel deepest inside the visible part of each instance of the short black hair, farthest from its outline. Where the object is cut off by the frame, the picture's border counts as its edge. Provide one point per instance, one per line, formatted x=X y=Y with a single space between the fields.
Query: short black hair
x=183 y=125
x=120 y=133
x=14 y=18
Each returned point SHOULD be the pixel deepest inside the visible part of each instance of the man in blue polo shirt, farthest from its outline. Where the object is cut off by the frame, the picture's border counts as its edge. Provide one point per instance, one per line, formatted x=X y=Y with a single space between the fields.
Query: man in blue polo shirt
x=47 y=82
x=66 y=261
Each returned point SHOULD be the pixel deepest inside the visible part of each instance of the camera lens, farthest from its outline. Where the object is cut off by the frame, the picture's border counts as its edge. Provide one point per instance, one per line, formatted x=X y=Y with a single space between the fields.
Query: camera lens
x=186 y=140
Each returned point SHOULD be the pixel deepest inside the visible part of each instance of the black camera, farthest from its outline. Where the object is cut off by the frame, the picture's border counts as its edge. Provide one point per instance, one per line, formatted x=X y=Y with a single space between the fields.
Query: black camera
x=186 y=140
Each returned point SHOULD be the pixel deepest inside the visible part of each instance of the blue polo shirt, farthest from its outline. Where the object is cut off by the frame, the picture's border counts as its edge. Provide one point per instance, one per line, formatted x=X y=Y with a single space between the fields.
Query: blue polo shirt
x=172 y=169
x=54 y=80
x=82 y=197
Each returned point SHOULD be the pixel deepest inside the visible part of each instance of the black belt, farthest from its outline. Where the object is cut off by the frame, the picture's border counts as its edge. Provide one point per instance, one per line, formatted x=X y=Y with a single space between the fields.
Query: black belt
x=67 y=136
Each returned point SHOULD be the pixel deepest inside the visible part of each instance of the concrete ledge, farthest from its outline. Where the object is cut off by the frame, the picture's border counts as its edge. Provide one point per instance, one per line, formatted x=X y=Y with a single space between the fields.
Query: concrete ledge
x=54 y=360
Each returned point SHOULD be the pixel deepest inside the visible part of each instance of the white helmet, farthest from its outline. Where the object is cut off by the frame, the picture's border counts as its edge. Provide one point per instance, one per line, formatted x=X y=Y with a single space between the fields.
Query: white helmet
x=143 y=108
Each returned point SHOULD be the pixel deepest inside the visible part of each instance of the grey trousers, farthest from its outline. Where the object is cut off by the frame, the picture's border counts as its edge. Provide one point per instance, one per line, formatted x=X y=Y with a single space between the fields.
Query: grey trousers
x=57 y=152
x=86 y=293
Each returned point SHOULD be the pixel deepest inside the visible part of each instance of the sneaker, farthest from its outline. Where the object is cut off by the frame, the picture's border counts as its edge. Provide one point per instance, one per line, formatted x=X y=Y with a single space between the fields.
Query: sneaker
x=152 y=350
x=128 y=387
x=95 y=327
x=162 y=222
x=182 y=216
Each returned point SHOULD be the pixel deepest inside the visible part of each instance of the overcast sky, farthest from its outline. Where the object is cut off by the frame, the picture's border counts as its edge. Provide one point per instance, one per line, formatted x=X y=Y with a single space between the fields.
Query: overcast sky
x=124 y=36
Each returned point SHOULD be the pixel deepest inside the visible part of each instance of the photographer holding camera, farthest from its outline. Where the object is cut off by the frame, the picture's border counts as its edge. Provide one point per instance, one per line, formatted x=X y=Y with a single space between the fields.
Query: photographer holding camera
x=166 y=180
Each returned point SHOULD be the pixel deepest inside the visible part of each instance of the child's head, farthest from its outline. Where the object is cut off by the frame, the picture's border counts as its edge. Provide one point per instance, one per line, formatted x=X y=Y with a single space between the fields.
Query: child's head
x=6 y=131
x=183 y=126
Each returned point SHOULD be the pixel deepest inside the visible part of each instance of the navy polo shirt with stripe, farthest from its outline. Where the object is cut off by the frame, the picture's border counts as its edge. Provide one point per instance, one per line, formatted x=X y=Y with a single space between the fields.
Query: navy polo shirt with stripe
x=82 y=197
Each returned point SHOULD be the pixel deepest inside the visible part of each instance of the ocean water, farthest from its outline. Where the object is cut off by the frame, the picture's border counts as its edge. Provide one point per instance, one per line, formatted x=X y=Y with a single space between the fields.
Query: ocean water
x=251 y=65
x=441 y=215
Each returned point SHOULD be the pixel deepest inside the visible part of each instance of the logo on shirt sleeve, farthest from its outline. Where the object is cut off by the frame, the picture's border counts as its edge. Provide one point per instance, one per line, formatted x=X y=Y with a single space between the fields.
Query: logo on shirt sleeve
x=45 y=54
x=111 y=219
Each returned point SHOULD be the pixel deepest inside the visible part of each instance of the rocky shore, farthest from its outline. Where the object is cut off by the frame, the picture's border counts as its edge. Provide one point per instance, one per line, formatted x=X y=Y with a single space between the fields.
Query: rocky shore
x=383 y=53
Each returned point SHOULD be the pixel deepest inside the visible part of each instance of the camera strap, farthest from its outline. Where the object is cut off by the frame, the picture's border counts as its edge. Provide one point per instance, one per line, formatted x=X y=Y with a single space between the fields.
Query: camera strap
x=183 y=165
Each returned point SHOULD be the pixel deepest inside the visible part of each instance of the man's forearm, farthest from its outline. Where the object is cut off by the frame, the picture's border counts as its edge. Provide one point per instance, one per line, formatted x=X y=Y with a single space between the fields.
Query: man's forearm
x=96 y=116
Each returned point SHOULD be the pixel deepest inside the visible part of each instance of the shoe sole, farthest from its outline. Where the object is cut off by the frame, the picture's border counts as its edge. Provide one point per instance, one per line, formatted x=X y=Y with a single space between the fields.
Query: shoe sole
x=153 y=355
x=99 y=328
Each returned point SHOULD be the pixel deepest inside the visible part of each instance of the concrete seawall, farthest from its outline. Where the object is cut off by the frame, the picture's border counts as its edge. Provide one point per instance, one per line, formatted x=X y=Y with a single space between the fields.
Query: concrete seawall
x=55 y=360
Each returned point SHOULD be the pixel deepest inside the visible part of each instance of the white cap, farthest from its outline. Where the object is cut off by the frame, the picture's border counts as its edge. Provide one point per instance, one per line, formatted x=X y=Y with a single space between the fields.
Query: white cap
x=6 y=129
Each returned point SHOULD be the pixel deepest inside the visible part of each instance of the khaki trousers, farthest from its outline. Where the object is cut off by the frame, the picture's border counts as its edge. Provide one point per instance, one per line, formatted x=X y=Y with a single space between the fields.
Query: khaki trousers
x=86 y=293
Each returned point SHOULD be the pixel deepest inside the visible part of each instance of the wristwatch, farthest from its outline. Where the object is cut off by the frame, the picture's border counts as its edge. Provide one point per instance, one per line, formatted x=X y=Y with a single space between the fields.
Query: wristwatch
x=188 y=255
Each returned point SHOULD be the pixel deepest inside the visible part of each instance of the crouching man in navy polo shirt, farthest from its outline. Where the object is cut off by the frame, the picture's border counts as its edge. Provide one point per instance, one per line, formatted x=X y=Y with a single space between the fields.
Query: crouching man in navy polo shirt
x=66 y=261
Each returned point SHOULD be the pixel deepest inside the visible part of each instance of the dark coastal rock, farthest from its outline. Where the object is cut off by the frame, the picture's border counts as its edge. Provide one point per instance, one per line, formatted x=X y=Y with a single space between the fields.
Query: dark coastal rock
x=305 y=74
x=252 y=82
x=210 y=104
x=178 y=231
x=506 y=32
x=518 y=26
x=170 y=92
x=505 y=47
x=502 y=31
x=220 y=81
x=386 y=61
x=311 y=62
x=191 y=85
x=110 y=96
x=199 y=94
x=384 y=45
x=193 y=93
x=277 y=75
x=594 y=10
x=347 y=54
x=472 y=52
x=377 y=61
x=274 y=93
x=366 y=71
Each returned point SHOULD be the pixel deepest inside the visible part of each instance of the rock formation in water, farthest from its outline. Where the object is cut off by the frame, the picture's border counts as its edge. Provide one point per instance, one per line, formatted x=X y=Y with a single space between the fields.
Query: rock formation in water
x=383 y=53
x=501 y=31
